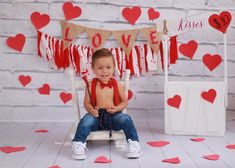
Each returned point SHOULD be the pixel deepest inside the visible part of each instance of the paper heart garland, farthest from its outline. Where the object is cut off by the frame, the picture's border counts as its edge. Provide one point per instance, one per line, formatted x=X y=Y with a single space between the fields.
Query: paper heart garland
x=10 y=149
x=189 y=48
x=209 y=95
x=158 y=143
x=65 y=97
x=175 y=160
x=175 y=101
x=211 y=61
x=41 y=131
x=70 y=11
x=39 y=20
x=212 y=157
x=102 y=159
x=131 y=14
x=220 y=22
x=17 y=42
x=24 y=80
x=197 y=139
x=45 y=89
x=153 y=14
x=231 y=146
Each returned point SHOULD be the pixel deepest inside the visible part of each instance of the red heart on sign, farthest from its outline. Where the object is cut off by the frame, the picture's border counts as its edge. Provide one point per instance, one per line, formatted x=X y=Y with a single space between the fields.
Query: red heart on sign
x=211 y=61
x=39 y=20
x=158 y=143
x=175 y=101
x=24 y=80
x=131 y=14
x=209 y=96
x=175 y=160
x=153 y=14
x=17 y=42
x=102 y=159
x=45 y=89
x=211 y=157
x=231 y=146
x=188 y=49
x=70 y=11
x=10 y=149
x=221 y=21
x=197 y=139
x=65 y=97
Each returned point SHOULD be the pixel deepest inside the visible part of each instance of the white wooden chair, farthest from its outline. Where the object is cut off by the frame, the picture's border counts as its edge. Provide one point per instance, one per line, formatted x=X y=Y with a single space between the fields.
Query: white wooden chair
x=76 y=85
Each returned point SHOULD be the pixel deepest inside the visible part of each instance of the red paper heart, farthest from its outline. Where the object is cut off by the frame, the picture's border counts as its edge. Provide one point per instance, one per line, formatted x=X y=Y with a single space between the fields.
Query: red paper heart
x=102 y=159
x=70 y=11
x=39 y=20
x=221 y=21
x=41 y=131
x=175 y=101
x=10 y=149
x=209 y=96
x=188 y=49
x=158 y=143
x=65 y=97
x=24 y=80
x=131 y=14
x=130 y=94
x=17 y=42
x=211 y=61
x=153 y=14
x=175 y=160
x=197 y=139
x=56 y=166
x=231 y=146
x=211 y=157
x=45 y=89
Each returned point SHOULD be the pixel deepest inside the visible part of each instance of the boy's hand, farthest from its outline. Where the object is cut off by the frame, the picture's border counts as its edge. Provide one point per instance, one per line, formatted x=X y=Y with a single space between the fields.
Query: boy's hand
x=112 y=109
x=95 y=112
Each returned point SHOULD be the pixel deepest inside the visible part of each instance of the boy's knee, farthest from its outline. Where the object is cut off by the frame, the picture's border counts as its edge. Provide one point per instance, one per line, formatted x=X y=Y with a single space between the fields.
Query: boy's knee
x=124 y=119
x=88 y=120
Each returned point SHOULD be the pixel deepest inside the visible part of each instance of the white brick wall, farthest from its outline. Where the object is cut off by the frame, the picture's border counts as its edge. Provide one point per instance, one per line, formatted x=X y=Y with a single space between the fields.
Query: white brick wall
x=25 y=103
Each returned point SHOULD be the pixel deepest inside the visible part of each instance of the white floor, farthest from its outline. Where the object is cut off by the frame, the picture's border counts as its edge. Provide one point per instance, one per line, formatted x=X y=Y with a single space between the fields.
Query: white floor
x=50 y=149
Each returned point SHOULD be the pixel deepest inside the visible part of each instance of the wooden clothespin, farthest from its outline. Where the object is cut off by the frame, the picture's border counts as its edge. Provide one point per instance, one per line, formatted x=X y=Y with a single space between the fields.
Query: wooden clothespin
x=164 y=27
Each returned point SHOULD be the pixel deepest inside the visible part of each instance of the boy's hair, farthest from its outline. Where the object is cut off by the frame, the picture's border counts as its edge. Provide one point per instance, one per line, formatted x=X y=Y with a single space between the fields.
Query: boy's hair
x=101 y=53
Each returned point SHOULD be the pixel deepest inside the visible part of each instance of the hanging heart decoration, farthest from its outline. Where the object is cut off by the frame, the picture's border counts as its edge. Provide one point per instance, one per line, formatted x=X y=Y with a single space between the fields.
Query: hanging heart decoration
x=220 y=22
x=24 y=80
x=70 y=11
x=211 y=61
x=189 y=48
x=45 y=89
x=131 y=14
x=209 y=95
x=175 y=101
x=153 y=14
x=65 y=97
x=17 y=42
x=39 y=20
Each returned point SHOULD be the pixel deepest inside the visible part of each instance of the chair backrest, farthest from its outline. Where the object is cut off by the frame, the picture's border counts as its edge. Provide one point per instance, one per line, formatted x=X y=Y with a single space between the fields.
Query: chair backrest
x=80 y=85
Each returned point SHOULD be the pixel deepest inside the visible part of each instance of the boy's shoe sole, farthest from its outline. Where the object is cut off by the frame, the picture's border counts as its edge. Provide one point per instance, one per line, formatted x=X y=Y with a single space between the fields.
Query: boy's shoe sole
x=133 y=155
x=79 y=157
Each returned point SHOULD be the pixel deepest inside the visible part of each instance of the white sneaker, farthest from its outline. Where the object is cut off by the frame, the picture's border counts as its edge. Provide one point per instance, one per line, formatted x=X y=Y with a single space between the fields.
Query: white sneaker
x=78 y=149
x=134 y=149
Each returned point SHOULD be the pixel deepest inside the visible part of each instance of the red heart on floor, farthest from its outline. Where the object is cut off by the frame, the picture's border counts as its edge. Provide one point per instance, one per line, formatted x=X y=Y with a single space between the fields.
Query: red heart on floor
x=24 y=80
x=221 y=21
x=131 y=14
x=102 y=159
x=45 y=89
x=17 y=42
x=158 y=143
x=10 y=149
x=175 y=160
x=211 y=157
x=175 y=101
x=41 y=130
x=70 y=11
x=188 y=49
x=153 y=14
x=39 y=20
x=211 y=61
x=209 y=96
x=56 y=166
x=65 y=97
x=197 y=139
x=231 y=146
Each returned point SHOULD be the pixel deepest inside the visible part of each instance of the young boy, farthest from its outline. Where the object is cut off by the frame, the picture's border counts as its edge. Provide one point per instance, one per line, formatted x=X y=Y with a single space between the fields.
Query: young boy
x=104 y=103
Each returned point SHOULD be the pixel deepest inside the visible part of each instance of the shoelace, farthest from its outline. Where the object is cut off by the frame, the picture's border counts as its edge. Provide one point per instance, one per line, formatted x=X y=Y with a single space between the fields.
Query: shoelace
x=134 y=147
x=80 y=147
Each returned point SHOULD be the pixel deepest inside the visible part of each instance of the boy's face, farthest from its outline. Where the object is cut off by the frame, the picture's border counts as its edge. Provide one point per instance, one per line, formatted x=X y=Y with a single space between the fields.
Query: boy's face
x=103 y=68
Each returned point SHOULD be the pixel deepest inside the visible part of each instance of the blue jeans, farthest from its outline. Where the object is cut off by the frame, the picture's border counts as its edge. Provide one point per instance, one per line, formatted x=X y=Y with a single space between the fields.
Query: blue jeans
x=119 y=120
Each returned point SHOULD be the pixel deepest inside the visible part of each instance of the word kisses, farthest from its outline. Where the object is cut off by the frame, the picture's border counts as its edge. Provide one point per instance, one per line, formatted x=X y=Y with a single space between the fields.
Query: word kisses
x=189 y=25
